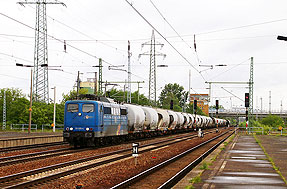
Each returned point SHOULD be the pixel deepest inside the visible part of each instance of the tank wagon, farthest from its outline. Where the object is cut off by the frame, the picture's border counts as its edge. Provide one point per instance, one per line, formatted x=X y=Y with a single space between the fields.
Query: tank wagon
x=90 y=122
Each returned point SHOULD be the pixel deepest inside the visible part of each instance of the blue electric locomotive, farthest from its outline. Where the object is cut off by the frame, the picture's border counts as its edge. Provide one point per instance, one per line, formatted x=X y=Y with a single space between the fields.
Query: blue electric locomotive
x=89 y=122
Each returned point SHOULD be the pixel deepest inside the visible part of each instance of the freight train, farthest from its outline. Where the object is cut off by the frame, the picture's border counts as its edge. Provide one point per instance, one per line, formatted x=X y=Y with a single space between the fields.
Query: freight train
x=91 y=122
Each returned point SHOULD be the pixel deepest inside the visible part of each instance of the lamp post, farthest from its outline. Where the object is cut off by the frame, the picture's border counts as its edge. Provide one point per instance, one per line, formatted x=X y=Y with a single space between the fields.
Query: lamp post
x=31 y=94
x=31 y=89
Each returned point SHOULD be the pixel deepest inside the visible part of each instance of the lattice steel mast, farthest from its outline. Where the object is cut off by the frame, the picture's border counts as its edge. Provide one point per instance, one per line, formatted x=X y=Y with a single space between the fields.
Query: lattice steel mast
x=152 y=68
x=40 y=77
x=250 y=109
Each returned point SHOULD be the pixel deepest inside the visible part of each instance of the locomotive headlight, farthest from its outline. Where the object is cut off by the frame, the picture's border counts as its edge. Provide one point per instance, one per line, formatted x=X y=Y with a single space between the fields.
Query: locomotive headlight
x=67 y=129
x=87 y=129
x=71 y=128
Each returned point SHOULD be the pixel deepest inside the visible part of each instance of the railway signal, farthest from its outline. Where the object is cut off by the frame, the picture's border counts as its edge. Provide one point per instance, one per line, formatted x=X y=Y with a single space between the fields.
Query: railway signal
x=171 y=105
x=246 y=100
x=195 y=104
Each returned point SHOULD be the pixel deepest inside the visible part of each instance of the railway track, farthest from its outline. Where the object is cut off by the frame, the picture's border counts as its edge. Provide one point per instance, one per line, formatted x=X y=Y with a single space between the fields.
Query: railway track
x=37 y=155
x=16 y=148
x=169 y=172
x=33 y=177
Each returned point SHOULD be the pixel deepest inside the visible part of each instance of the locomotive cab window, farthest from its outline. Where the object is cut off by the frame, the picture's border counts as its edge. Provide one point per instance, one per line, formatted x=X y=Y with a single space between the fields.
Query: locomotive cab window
x=73 y=108
x=107 y=110
x=123 y=112
x=88 y=108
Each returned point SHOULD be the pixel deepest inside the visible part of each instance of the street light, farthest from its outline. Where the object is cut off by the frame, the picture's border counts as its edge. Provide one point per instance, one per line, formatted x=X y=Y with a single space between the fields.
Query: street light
x=30 y=107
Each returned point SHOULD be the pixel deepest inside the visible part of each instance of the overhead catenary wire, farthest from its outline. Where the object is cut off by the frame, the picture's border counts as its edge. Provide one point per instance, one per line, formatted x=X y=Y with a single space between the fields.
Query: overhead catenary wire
x=62 y=41
x=164 y=38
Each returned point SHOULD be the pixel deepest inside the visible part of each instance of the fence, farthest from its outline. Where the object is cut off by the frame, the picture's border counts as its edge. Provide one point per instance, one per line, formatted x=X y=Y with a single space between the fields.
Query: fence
x=261 y=130
x=35 y=127
x=48 y=127
x=23 y=126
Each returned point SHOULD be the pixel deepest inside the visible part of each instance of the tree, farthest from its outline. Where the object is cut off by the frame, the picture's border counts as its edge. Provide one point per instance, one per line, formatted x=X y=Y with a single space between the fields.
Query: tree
x=273 y=121
x=72 y=95
x=175 y=91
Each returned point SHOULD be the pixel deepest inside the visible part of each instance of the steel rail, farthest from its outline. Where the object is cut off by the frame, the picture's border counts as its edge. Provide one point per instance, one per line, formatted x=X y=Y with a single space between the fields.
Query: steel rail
x=178 y=176
x=36 y=156
x=16 y=148
x=74 y=162
x=149 y=171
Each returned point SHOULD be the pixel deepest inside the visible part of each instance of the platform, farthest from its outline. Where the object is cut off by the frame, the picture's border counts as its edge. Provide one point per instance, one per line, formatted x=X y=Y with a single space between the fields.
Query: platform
x=241 y=164
x=12 y=139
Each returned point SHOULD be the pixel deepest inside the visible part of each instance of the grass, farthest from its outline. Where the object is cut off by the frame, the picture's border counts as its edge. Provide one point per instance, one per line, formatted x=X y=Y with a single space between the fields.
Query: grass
x=204 y=166
x=196 y=179
x=270 y=159
x=189 y=187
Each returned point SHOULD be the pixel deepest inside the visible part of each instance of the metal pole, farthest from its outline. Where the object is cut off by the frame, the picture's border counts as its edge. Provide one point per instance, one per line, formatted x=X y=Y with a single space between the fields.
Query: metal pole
x=78 y=84
x=138 y=92
x=129 y=98
x=95 y=90
x=54 y=118
x=4 y=111
x=261 y=104
x=30 y=108
x=269 y=102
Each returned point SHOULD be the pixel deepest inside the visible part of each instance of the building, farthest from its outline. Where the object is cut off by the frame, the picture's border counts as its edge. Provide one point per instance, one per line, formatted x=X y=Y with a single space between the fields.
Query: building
x=202 y=102
x=89 y=84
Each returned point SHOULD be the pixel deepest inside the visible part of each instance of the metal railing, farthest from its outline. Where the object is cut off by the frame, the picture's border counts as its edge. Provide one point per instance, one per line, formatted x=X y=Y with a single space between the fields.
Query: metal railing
x=23 y=126
x=261 y=130
x=35 y=127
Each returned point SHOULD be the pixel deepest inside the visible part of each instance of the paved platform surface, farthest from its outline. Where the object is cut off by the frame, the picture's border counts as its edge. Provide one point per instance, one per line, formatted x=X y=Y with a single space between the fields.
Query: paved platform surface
x=241 y=164
x=7 y=134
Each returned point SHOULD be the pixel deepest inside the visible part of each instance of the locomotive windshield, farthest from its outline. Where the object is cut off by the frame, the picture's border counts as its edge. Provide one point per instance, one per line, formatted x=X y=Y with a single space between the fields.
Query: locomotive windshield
x=88 y=108
x=73 y=108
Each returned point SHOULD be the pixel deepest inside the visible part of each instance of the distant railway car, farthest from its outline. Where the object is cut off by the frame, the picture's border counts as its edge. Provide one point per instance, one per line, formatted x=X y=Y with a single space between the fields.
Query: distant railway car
x=186 y=120
x=163 y=119
x=173 y=119
x=151 y=118
x=136 y=118
x=180 y=120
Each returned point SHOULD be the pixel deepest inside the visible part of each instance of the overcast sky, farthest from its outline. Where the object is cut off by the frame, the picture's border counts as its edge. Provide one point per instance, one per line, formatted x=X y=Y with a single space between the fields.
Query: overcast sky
x=226 y=32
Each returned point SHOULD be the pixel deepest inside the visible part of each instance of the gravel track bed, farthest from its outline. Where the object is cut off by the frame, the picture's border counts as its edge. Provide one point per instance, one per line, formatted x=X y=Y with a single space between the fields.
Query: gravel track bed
x=40 y=149
x=29 y=165
x=111 y=174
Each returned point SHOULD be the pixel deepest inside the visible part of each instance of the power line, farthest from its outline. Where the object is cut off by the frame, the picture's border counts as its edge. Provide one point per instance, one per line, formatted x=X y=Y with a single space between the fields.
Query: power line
x=62 y=41
x=230 y=68
x=164 y=38
x=244 y=26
